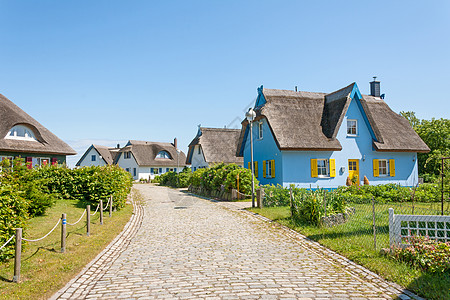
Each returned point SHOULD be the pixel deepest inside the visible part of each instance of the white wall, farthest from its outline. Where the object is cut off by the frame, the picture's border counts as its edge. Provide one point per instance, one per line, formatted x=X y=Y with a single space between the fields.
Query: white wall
x=87 y=161
x=198 y=160
x=130 y=163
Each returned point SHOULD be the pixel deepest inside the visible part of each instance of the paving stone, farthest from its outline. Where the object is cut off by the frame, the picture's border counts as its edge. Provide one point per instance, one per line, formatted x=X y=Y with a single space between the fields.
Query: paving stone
x=214 y=250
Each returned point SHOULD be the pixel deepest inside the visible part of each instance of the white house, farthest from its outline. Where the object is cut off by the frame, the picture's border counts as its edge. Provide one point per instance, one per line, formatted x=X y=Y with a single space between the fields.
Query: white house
x=97 y=155
x=145 y=160
x=214 y=145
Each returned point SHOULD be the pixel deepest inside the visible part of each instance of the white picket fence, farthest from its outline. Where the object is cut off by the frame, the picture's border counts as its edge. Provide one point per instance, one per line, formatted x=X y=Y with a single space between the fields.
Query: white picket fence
x=403 y=227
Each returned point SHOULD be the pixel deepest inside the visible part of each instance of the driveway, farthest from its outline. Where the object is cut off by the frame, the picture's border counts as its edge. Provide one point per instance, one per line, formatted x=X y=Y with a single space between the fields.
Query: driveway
x=185 y=247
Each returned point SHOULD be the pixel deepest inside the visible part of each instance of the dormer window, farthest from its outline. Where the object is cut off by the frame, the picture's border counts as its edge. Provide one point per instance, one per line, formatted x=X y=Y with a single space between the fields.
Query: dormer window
x=163 y=154
x=20 y=132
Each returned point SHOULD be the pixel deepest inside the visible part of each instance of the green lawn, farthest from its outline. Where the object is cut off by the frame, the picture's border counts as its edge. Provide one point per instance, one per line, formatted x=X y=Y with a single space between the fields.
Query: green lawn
x=355 y=240
x=44 y=269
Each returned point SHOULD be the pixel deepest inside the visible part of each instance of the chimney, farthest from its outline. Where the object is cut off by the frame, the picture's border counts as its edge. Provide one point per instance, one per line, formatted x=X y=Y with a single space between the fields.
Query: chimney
x=375 y=87
x=118 y=146
x=175 y=143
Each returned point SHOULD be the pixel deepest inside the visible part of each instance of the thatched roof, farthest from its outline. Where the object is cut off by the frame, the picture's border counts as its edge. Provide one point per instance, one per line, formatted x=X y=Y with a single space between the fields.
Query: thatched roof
x=145 y=153
x=311 y=121
x=47 y=143
x=108 y=154
x=218 y=145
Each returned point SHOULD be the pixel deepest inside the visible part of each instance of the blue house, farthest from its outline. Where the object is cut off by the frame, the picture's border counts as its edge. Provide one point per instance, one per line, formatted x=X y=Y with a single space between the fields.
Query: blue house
x=318 y=140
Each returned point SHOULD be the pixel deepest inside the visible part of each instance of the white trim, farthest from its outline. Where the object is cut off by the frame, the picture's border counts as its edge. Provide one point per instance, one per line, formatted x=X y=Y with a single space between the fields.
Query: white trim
x=356 y=127
x=260 y=130
x=387 y=168
x=327 y=167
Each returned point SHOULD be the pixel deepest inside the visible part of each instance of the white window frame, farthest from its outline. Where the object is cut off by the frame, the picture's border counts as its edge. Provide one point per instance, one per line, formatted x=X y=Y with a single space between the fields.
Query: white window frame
x=268 y=169
x=260 y=130
x=321 y=168
x=386 y=174
x=350 y=128
x=28 y=134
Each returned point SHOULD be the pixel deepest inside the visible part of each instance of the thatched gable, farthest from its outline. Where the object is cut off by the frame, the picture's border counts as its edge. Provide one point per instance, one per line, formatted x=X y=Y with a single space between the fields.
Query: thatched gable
x=145 y=154
x=311 y=121
x=218 y=145
x=108 y=154
x=46 y=142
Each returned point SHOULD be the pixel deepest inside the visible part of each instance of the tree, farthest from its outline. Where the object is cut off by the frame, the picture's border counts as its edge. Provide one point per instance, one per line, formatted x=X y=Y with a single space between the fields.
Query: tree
x=413 y=120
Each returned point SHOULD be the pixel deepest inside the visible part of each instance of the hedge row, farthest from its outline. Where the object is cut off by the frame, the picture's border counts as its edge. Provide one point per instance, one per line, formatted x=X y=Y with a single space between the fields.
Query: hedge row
x=25 y=193
x=219 y=177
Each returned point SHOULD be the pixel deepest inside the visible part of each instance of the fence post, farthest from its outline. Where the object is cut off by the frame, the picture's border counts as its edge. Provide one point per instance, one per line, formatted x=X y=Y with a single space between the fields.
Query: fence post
x=261 y=197
x=374 y=227
x=63 y=232
x=88 y=219
x=391 y=227
x=101 y=211
x=18 y=255
x=110 y=205
x=290 y=199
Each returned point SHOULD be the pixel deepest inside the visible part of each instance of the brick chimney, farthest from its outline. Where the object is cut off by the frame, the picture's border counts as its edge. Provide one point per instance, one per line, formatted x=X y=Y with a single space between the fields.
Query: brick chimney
x=375 y=87
x=175 y=143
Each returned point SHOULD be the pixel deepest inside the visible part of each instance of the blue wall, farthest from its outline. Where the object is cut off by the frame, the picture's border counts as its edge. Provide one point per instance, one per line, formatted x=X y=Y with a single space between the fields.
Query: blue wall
x=264 y=149
x=297 y=164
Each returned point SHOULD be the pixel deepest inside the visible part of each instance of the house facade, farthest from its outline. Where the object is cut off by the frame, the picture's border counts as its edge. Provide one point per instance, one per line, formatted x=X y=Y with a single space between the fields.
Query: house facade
x=22 y=136
x=145 y=160
x=213 y=145
x=97 y=155
x=318 y=140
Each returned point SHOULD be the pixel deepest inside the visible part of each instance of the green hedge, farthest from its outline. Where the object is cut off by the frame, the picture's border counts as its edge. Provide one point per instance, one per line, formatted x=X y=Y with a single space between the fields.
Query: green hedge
x=25 y=193
x=180 y=180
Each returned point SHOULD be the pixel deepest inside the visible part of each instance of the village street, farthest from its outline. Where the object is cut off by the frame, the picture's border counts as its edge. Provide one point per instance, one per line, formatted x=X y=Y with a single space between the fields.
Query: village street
x=192 y=248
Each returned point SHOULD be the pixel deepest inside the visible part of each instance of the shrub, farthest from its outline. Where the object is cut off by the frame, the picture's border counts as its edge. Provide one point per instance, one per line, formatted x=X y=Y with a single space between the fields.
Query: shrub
x=245 y=180
x=426 y=254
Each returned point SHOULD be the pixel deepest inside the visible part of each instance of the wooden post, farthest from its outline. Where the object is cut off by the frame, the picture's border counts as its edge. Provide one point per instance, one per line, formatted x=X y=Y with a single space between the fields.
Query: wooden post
x=374 y=227
x=63 y=232
x=18 y=255
x=101 y=211
x=88 y=219
x=110 y=205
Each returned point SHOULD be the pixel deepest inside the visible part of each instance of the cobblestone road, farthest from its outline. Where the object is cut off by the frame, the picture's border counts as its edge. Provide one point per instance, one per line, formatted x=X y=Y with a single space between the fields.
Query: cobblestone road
x=191 y=248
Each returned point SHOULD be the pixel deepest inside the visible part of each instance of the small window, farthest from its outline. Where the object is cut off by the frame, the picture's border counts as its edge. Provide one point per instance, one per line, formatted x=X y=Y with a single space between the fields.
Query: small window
x=260 y=130
x=20 y=132
x=352 y=127
x=134 y=172
x=383 y=167
x=323 y=169
x=199 y=149
x=268 y=169
x=163 y=154
x=127 y=155
x=93 y=158
x=128 y=170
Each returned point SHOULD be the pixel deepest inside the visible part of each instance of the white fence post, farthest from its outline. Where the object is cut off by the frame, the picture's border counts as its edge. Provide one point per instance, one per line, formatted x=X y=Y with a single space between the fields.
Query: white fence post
x=391 y=227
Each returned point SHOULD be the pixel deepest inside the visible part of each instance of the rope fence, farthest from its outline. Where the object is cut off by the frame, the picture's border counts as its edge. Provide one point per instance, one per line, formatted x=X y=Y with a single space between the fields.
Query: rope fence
x=18 y=236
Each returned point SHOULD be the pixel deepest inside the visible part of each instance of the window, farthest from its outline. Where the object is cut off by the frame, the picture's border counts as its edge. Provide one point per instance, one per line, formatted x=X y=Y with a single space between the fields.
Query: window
x=163 y=154
x=93 y=158
x=21 y=132
x=128 y=170
x=269 y=168
x=260 y=130
x=134 y=172
x=127 y=155
x=199 y=149
x=352 y=127
x=154 y=171
x=322 y=168
x=383 y=167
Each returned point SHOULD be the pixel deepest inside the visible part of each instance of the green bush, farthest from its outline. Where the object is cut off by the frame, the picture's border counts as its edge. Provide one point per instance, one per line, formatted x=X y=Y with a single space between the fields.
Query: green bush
x=180 y=180
x=197 y=177
x=13 y=214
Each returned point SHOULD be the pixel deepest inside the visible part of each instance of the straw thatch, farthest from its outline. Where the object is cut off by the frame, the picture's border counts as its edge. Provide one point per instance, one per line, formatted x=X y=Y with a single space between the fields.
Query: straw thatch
x=108 y=154
x=311 y=121
x=218 y=145
x=47 y=143
x=145 y=154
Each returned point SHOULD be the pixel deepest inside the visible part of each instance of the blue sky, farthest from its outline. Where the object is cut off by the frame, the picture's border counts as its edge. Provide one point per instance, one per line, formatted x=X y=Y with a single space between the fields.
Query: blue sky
x=108 y=71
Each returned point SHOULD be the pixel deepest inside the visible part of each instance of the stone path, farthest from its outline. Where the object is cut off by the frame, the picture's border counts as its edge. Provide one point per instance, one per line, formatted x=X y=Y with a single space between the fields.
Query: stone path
x=183 y=247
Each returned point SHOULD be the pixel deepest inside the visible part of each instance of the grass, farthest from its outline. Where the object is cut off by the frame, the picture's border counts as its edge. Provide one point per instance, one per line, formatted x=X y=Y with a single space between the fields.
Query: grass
x=44 y=270
x=355 y=240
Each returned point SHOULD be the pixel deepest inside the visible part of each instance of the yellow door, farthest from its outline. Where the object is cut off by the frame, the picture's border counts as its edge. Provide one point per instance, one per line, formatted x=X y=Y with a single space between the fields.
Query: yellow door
x=353 y=170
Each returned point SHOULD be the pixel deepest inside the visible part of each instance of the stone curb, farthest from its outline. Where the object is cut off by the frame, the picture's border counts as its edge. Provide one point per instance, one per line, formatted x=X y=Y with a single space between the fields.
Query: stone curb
x=80 y=286
x=357 y=271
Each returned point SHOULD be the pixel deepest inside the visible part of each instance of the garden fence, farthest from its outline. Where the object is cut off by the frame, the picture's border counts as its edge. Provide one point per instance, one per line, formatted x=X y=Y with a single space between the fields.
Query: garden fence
x=363 y=225
x=63 y=221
